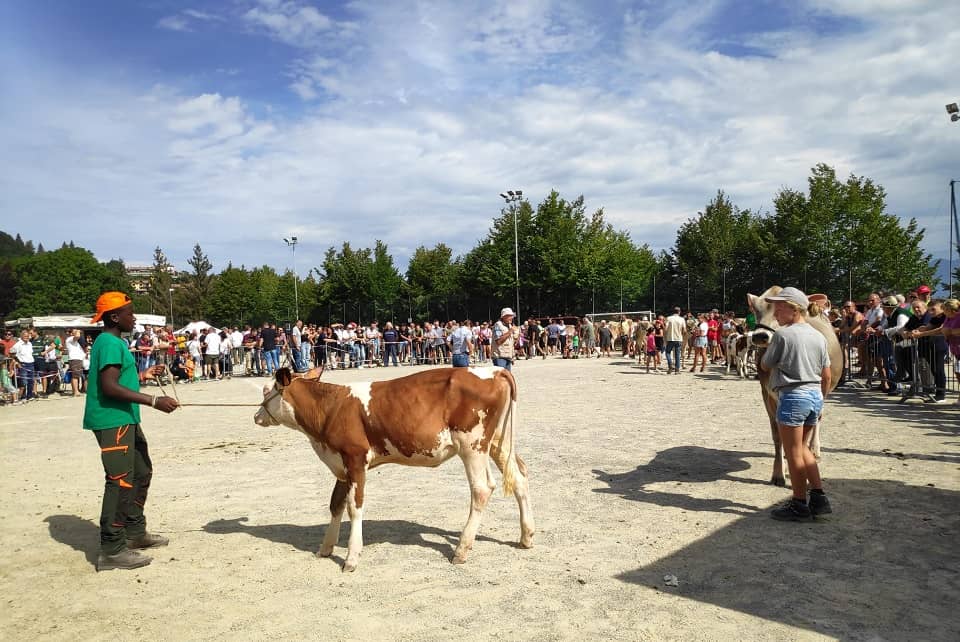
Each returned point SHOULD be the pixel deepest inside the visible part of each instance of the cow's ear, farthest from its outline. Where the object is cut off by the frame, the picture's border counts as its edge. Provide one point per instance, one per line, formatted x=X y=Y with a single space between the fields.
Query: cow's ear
x=313 y=374
x=284 y=377
x=752 y=301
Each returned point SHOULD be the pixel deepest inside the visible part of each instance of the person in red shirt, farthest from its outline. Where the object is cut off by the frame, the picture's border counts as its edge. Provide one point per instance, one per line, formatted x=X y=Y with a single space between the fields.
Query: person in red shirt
x=713 y=336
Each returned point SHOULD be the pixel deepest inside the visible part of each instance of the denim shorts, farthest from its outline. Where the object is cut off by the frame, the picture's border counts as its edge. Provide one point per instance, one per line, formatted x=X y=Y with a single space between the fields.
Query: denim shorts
x=800 y=406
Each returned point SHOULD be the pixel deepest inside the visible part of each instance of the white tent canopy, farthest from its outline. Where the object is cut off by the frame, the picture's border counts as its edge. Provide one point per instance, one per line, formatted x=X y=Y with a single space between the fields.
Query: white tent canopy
x=195 y=326
x=79 y=321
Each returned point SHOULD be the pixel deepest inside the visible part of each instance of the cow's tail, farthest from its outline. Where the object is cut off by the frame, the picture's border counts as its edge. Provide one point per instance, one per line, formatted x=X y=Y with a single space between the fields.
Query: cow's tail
x=509 y=462
x=814 y=439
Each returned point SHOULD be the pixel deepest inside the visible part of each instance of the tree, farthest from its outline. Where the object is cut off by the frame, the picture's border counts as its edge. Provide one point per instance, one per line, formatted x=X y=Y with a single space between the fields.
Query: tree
x=161 y=282
x=64 y=280
x=433 y=276
x=197 y=286
x=231 y=297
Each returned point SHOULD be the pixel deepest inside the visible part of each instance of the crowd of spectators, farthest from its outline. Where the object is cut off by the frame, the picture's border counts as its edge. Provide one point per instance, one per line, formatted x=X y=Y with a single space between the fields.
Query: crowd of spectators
x=895 y=340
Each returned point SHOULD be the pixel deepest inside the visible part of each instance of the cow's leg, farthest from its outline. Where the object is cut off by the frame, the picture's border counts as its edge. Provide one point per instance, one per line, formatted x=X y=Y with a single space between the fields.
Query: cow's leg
x=521 y=490
x=356 y=470
x=777 y=478
x=478 y=477
x=338 y=501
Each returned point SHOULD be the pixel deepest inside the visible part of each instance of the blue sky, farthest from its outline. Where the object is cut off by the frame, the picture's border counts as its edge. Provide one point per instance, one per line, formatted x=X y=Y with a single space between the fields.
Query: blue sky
x=132 y=124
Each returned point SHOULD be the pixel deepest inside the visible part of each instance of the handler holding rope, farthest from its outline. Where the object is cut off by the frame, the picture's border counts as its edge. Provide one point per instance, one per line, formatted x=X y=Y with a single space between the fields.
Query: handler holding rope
x=112 y=412
x=801 y=375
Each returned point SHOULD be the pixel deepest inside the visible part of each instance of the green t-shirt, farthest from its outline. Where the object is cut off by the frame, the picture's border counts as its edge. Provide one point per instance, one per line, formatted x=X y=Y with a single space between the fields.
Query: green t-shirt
x=104 y=412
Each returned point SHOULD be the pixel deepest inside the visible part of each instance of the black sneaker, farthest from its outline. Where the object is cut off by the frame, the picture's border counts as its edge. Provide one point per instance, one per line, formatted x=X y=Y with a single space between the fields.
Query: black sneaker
x=819 y=504
x=792 y=511
x=125 y=560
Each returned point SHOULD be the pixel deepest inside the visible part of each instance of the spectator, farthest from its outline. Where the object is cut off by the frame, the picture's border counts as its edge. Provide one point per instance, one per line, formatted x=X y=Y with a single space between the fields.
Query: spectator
x=700 y=343
x=22 y=352
x=211 y=354
x=504 y=336
x=268 y=347
x=931 y=348
x=461 y=345
x=674 y=330
x=391 y=344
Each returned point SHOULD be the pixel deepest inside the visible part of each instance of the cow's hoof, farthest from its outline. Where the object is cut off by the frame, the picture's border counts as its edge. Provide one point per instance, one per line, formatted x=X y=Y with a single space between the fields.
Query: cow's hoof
x=778 y=481
x=459 y=559
x=324 y=553
x=526 y=541
x=349 y=567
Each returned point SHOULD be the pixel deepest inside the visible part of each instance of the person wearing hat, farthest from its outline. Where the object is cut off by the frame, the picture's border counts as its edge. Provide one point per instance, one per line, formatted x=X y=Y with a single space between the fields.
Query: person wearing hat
x=923 y=293
x=112 y=412
x=799 y=367
x=504 y=336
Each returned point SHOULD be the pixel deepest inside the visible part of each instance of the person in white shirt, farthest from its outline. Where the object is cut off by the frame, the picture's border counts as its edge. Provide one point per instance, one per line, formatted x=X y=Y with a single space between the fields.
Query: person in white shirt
x=22 y=351
x=211 y=354
x=226 y=355
x=75 y=355
x=236 y=340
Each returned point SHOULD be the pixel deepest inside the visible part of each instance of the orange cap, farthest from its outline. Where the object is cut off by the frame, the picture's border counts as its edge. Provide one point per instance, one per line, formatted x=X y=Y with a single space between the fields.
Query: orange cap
x=108 y=302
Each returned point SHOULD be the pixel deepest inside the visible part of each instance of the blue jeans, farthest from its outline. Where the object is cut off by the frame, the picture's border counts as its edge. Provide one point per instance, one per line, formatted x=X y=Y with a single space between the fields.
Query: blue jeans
x=503 y=363
x=305 y=354
x=391 y=354
x=675 y=350
x=270 y=357
x=462 y=360
x=27 y=375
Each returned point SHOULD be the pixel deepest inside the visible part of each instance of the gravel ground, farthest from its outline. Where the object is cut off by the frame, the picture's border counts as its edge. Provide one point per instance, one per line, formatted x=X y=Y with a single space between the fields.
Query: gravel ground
x=634 y=476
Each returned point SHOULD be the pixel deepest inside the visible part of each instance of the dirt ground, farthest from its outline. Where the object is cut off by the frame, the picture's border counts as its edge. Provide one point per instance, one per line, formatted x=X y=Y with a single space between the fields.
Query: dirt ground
x=634 y=476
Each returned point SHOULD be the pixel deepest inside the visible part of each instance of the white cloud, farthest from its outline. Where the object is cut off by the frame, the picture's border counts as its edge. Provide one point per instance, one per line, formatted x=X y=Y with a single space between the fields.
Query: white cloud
x=174 y=23
x=420 y=114
x=291 y=22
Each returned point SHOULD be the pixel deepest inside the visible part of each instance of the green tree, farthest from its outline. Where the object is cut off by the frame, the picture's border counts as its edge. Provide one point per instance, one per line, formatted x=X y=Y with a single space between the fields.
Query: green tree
x=230 y=297
x=195 y=290
x=158 y=292
x=61 y=281
x=433 y=276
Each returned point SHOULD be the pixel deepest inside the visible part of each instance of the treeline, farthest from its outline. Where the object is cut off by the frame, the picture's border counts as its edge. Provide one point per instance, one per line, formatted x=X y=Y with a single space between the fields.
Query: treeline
x=835 y=238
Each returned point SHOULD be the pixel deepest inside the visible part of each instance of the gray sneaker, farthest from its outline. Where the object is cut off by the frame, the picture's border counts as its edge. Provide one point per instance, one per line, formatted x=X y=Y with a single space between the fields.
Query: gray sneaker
x=125 y=559
x=147 y=540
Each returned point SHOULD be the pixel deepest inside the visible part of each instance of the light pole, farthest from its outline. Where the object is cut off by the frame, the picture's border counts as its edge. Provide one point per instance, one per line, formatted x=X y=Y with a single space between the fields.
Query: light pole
x=688 y=292
x=292 y=244
x=511 y=198
x=171 y=306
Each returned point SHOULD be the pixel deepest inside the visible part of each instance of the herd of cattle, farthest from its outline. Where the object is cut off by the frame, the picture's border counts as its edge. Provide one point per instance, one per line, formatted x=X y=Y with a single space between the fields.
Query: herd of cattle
x=426 y=418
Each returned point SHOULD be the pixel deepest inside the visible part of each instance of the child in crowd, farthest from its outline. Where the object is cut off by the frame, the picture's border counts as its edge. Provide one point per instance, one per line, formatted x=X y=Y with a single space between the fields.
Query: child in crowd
x=651 y=350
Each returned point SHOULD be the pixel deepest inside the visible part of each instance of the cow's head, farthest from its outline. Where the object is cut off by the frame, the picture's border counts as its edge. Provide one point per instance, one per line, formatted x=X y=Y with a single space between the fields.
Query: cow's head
x=274 y=409
x=273 y=406
x=766 y=322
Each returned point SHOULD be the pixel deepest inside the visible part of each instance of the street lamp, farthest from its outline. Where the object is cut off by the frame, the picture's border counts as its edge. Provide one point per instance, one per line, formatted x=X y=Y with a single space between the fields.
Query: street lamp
x=171 y=306
x=292 y=244
x=511 y=197
x=954 y=112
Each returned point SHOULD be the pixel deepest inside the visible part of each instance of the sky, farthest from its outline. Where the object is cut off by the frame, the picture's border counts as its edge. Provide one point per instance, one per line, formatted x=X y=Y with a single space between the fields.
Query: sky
x=132 y=124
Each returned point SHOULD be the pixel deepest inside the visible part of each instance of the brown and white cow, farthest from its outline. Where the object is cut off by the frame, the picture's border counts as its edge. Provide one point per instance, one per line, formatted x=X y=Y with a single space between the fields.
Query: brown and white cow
x=419 y=420
x=766 y=326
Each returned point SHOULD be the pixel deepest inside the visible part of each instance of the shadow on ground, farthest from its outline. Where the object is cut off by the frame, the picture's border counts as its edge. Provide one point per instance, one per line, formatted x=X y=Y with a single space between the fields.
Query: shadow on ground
x=308 y=538
x=77 y=533
x=941 y=419
x=683 y=465
x=882 y=567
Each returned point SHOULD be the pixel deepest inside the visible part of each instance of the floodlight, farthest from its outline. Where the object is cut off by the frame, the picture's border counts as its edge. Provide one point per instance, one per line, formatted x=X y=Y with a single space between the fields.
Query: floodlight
x=510 y=192
x=503 y=195
x=952 y=108
x=519 y=192
x=954 y=117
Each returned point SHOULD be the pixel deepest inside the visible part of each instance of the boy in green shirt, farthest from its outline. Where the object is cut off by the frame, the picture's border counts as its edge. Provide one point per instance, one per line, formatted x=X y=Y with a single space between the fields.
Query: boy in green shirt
x=112 y=412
